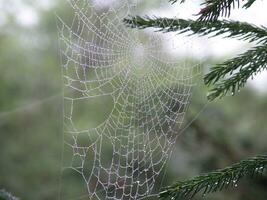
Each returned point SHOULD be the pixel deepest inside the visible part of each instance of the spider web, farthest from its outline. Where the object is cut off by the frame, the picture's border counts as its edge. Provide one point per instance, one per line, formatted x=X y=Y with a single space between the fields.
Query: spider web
x=125 y=98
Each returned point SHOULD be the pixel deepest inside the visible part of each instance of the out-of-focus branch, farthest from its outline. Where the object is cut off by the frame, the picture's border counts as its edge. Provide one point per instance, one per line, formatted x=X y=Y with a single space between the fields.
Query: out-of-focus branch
x=6 y=196
x=203 y=134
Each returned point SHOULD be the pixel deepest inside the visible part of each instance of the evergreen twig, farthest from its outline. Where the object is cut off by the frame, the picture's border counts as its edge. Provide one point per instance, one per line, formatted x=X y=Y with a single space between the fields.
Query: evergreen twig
x=6 y=196
x=213 y=9
x=232 y=29
x=245 y=65
x=228 y=76
x=175 y=1
x=217 y=180
x=248 y=65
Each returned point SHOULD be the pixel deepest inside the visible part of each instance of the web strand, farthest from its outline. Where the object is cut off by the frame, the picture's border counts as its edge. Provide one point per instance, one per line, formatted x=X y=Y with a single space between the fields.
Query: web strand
x=123 y=156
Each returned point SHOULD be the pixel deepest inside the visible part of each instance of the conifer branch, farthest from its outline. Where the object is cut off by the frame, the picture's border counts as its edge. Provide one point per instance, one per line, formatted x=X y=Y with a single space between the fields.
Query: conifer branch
x=248 y=64
x=228 y=76
x=213 y=9
x=217 y=180
x=6 y=196
x=249 y=3
x=175 y=1
x=233 y=29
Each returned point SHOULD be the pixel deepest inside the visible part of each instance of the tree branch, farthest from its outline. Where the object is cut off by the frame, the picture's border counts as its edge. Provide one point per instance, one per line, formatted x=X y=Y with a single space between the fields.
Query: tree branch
x=213 y=9
x=6 y=196
x=175 y=1
x=248 y=65
x=233 y=29
x=216 y=181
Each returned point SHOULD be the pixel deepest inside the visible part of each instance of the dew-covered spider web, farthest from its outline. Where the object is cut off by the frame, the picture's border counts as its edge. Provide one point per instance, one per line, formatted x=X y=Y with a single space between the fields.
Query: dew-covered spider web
x=125 y=98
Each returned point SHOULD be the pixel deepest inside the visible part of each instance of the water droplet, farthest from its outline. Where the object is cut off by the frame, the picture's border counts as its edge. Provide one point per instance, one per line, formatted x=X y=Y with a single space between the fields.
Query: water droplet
x=216 y=183
x=235 y=185
x=232 y=93
x=172 y=198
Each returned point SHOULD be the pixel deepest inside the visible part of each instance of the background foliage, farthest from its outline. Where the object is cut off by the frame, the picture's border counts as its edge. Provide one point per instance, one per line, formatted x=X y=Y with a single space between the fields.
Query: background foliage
x=30 y=118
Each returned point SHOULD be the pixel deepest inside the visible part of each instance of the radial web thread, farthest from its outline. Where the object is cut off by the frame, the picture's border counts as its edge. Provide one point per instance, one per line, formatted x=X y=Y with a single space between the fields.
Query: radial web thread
x=142 y=92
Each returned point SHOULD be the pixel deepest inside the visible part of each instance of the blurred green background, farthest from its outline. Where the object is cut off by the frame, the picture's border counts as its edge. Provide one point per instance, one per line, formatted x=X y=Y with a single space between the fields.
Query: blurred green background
x=31 y=114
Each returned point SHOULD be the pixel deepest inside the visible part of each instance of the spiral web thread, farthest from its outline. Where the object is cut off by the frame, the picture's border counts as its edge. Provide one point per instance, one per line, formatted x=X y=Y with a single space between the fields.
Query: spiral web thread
x=123 y=156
